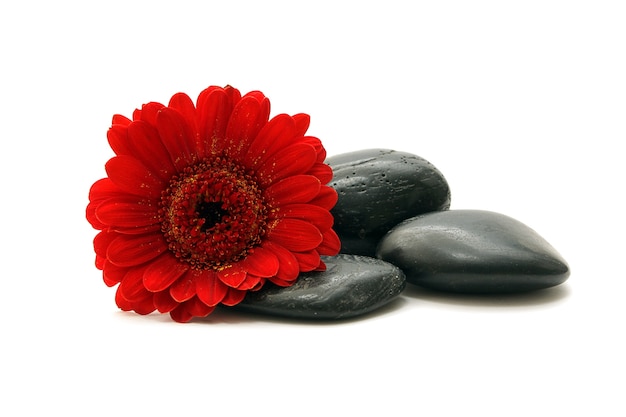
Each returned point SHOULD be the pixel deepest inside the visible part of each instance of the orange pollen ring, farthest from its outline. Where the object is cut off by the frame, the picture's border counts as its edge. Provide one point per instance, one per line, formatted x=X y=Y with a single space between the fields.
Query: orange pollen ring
x=212 y=214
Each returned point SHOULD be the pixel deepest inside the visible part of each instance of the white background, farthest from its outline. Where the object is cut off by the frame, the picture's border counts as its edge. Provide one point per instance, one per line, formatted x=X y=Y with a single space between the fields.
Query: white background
x=520 y=104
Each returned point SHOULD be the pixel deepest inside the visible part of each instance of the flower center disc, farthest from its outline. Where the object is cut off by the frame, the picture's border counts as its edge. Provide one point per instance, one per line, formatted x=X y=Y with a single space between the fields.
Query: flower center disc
x=212 y=214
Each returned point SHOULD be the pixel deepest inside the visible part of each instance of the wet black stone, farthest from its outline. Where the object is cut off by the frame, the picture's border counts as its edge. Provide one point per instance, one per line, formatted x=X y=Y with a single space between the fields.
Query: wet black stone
x=379 y=188
x=473 y=251
x=350 y=286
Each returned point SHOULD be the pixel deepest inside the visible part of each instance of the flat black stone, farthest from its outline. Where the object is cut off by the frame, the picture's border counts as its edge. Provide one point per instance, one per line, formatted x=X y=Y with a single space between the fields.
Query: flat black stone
x=350 y=286
x=473 y=251
x=379 y=188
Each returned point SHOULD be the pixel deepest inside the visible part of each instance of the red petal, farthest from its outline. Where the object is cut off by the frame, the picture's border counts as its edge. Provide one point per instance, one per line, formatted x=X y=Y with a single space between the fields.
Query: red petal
x=131 y=287
x=102 y=241
x=90 y=214
x=234 y=297
x=203 y=98
x=164 y=302
x=197 y=308
x=292 y=160
x=121 y=302
x=233 y=94
x=321 y=266
x=117 y=136
x=113 y=274
x=135 y=250
x=144 y=305
x=150 y=150
x=180 y=314
x=317 y=145
x=118 y=119
x=213 y=115
x=204 y=94
x=248 y=117
x=215 y=106
x=302 y=123
x=281 y=282
x=316 y=215
x=232 y=276
x=308 y=261
x=262 y=262
x=178 y=137
x=184 y=288
x=138 y=230
x=98 y=193
x=274 y=136
x=132 y=176
x=103 y=189
x=296 y=189
x=162 y=272
x=127 y=212
x=100 y=262
x=327 y=198
x=331 y=243
x=148 y=112
x=288 y=268
x=252 y=283
x=256 y=94
x=322 y=171
x=183 y=104
x=209 y=288
x=295 y=235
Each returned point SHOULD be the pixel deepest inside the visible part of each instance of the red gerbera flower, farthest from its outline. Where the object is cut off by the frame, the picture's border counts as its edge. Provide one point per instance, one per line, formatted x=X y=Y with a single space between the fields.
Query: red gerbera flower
x=205 y=202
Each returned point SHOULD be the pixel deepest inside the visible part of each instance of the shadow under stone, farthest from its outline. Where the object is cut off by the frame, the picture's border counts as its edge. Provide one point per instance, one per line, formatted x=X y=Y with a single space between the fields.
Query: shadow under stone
x=524 y=299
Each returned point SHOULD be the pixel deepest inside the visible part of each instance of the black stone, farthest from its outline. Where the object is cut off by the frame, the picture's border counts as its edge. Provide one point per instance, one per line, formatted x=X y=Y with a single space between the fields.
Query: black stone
x=379 y=188
x=350 y=286
x=472 y=251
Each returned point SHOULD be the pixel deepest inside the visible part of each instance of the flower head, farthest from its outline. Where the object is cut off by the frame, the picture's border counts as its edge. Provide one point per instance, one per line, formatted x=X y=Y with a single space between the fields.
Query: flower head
x=204 y=202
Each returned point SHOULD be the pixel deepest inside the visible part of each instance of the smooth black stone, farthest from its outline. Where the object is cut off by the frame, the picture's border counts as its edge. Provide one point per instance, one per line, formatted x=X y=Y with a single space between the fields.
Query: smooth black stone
x=350 y=286
x=472 y=251
x=379 y=188
x=358 y=246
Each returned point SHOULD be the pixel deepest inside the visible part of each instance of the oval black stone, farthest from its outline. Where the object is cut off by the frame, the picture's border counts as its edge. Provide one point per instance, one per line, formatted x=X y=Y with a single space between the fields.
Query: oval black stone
x=473 y=251
x=379 y=188
x=350 y=286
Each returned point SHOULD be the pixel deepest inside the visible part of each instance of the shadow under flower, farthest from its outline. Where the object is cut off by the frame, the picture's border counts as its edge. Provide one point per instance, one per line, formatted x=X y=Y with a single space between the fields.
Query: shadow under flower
x=232 y=315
